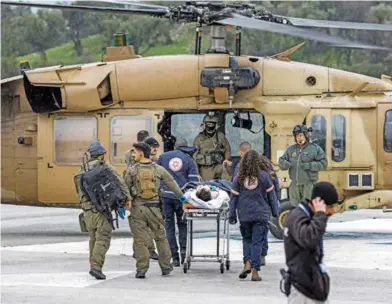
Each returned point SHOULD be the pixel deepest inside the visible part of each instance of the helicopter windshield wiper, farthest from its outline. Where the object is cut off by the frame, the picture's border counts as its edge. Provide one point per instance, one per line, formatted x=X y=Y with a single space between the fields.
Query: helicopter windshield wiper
x=242 y=21
x=339 y=24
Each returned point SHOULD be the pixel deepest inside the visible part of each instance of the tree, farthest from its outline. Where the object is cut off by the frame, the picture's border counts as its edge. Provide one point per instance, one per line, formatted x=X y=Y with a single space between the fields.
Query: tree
x=43 y=31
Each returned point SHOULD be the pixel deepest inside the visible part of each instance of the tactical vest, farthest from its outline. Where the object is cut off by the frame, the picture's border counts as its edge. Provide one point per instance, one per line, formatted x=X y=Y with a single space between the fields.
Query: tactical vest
x=145 y=181
x=212 y=156
x=100 y=186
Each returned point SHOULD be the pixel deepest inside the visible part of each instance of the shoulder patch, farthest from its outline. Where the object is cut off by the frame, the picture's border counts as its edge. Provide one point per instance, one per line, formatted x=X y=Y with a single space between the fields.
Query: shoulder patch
x=250 y=186
x=175 y=164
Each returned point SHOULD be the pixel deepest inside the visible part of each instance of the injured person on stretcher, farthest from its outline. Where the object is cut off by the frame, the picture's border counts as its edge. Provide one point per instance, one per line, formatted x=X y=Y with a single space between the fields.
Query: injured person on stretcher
x=208 y=195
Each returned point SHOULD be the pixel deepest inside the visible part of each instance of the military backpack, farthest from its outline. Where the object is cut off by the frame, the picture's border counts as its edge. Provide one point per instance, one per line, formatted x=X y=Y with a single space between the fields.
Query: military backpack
x=101 y=187
x=146 y=181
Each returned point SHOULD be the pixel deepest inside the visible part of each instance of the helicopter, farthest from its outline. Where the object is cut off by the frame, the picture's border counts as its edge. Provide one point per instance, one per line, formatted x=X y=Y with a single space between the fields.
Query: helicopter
x=50 y=115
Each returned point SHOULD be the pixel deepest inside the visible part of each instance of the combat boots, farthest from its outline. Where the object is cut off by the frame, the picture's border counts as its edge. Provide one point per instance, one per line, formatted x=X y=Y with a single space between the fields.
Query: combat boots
x=167 y=271
x=97 y=274
x=255 y=275
x=247 y=269
x=140 y=275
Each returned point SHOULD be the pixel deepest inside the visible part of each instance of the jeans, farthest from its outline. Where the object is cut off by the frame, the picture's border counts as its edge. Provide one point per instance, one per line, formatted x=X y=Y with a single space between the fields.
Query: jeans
x=253 y=238
x=264 y=249
x=173 y=208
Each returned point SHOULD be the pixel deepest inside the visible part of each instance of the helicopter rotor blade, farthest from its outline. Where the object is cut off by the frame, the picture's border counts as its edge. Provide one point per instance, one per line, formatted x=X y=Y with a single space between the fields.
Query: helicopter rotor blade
x=135 y=3
x=153 y=12
x=242 y=21
x=303 y=22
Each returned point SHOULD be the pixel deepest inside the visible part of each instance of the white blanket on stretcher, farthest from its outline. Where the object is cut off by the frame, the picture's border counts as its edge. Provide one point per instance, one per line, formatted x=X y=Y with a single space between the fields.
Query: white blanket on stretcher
x=221 y=201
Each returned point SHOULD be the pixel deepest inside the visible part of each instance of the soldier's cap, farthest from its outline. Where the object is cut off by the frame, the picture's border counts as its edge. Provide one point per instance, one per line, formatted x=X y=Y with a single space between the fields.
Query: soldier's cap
x=142 y=146
x=96 y=148
x=151 y=141
x=326 y=191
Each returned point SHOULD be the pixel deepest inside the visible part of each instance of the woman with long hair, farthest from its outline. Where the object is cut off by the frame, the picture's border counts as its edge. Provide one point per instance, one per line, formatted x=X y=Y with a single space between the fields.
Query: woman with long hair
x=250 y=190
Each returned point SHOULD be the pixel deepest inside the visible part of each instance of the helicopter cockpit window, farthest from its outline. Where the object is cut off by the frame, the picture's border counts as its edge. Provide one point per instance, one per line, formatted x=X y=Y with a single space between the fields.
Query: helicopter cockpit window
x=123 y=135
x=236 y=136
x=186 y=126
x=338 y=138
x=319 y=131
x=72 y=136
x=388 y=132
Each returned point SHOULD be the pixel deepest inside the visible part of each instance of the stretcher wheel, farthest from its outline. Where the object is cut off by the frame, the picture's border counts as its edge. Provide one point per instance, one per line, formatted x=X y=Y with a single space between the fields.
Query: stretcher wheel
x=185 y=267
x=222 y=268
x=227 y=265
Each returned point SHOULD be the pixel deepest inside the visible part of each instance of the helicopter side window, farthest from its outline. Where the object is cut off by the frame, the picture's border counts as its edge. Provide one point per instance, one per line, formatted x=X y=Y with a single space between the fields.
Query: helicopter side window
x=388 y=131
x=237 y=135
x=319 y=130
x=123 y=134
x=338 y=138
x=186 y=126
x=72 y=136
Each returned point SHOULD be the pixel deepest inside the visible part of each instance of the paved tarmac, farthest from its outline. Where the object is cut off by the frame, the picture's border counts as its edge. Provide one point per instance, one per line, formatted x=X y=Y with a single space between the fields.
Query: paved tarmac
x=44 y=259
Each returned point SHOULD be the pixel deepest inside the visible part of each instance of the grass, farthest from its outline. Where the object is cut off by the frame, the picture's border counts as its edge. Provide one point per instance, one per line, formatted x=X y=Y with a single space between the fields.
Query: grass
x=66 y=54
x=93 y=47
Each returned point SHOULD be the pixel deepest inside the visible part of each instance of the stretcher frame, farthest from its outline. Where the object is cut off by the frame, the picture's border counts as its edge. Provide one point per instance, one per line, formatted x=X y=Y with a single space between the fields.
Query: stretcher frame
x=223 y=257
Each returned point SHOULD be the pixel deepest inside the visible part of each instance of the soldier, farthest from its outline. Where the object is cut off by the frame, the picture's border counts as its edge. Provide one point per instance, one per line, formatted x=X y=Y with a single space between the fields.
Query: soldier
x=180 y=164
x=154 y=145
x=130 y=161
x=213 y=149
x=141 y=136
x=303 y=160
x=143 y=180
x=98 y=225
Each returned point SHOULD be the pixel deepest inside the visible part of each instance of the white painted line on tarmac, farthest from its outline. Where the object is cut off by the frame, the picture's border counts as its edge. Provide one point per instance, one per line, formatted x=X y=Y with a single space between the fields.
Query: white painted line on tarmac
x=339 y=252
x=68 y=279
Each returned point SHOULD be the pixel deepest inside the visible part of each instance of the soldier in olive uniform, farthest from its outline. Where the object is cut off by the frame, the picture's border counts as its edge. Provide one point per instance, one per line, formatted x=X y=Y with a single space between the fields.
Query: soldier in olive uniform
x=213 y=149
x=130 y=161
x=143 y=180
x=99 y=228
x=304 y=160
x=141 y=136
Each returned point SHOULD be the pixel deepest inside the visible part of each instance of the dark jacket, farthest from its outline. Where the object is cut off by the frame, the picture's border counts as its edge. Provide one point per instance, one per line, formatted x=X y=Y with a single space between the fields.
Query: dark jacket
x=252 y=203
x=181 y=166
x=273 y=176
x=303 y=235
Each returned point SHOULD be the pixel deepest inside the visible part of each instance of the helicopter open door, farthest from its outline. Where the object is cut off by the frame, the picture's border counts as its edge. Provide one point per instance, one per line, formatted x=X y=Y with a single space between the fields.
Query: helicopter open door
x=384 y=145
x=64 y=138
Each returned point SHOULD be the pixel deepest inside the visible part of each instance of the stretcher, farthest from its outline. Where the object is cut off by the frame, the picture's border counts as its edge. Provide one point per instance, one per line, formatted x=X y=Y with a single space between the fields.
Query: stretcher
x=221 y=216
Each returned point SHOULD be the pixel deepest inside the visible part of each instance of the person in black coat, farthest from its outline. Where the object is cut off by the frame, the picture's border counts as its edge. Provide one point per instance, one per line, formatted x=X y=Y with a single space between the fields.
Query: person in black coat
x=307 y=279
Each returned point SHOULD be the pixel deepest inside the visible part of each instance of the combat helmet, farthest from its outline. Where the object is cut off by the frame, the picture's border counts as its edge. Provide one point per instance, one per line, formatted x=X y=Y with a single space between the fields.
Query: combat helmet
x=96 y=149
x=301 y=129
x=211 y=117
x=210 y=122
